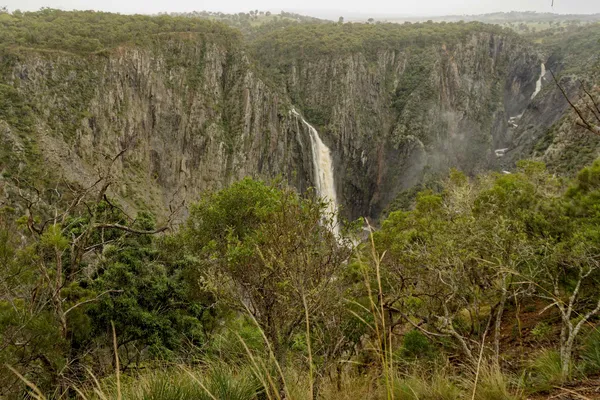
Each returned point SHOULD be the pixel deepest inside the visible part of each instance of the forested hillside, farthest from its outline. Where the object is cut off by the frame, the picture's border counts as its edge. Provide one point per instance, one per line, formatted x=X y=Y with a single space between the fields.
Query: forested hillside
x=203 y=206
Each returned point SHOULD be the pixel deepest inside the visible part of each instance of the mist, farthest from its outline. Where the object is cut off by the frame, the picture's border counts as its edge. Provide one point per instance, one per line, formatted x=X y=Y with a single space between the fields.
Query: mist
x=325 y=9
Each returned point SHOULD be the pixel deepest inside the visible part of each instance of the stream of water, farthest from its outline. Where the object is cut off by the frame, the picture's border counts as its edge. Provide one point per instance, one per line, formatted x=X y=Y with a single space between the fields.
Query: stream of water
x=538 y=84
x=323 y=167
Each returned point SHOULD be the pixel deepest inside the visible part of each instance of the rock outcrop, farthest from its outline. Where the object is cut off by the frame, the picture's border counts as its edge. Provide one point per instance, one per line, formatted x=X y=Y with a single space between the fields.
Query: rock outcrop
x=193 y=114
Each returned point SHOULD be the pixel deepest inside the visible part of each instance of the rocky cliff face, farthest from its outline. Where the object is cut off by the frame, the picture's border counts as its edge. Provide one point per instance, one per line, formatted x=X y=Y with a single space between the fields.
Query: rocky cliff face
x=194 y=115
x=392 y=119
x=548 y=129
x=190 y=113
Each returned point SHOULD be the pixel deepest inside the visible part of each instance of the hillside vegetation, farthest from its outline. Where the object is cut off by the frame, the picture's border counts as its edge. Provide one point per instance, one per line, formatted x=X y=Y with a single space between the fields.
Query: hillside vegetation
x=254 y=294
x=161 y=236
x=91 y=31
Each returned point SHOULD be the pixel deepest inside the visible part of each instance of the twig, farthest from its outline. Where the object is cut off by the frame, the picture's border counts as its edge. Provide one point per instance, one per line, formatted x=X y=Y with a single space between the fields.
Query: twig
x=117 y=368
x=584 y=123
x=92 y=300
x=130 y=230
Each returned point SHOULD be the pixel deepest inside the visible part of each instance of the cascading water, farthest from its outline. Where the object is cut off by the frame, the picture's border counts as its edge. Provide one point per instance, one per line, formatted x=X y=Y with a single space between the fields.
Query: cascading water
x=538 y=84
x=323 y=166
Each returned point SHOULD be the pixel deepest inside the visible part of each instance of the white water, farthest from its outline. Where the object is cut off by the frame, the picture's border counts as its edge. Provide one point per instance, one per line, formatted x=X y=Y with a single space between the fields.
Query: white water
x=538 y=84
x=323 y=166
x=501 y=152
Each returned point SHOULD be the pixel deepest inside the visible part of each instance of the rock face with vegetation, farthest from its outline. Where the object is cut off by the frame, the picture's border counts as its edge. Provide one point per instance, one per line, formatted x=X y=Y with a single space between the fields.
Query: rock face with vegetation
x=393 y=116
x=476 y=284
x=188 y=111
x=199 y=110
x=548 y=130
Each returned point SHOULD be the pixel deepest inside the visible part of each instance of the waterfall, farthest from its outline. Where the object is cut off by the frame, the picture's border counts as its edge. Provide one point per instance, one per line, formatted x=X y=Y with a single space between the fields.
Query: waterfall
x=538 y=84
x=323 y=167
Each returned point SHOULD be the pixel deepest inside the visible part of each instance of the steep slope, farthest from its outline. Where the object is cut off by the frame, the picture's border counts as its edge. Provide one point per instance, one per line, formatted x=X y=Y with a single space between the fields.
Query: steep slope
x=190 y=113
x=548 y=129
x=424 y=98
x=394 y=104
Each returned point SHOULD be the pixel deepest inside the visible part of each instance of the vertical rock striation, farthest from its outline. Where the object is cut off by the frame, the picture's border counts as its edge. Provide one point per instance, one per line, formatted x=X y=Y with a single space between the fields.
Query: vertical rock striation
x=194 y=114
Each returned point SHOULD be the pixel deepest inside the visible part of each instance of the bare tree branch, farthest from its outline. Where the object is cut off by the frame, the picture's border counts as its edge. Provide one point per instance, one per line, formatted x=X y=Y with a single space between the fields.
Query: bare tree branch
x=92 y=300
x=584 y=122
x=130 y=230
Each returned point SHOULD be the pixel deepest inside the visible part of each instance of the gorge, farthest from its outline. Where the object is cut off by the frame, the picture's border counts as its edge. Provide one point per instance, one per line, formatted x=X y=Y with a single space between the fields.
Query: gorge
x=199 y=110
x=181 y=203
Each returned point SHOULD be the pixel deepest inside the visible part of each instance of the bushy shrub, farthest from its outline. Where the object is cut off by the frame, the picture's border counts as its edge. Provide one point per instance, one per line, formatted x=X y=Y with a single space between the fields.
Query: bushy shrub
x=541 y=332
x=416 y=345
x=591 y=353
x=546 y=371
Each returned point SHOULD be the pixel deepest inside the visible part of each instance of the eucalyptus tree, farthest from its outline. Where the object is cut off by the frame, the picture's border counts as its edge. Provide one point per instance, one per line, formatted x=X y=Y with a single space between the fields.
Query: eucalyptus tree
x=271 y=253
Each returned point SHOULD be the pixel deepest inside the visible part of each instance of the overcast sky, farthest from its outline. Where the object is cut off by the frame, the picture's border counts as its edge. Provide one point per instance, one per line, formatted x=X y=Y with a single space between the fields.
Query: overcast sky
x=315 y=7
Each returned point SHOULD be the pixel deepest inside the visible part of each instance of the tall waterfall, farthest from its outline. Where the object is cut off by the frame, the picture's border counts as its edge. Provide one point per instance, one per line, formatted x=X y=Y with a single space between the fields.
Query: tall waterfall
x=323 y=166
x=538 y=84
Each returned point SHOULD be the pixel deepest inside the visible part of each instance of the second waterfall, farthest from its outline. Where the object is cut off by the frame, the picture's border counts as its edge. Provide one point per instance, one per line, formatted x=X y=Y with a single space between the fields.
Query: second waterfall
x=323 y=166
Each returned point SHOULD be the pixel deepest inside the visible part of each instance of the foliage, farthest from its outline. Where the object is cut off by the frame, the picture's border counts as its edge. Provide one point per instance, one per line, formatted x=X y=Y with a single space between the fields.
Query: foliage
x=416 y=345
x=257 y=277
x=214 y=381
x=452 y=261
x=546 y=371
x=249 y=22
x=155 y=310
x=438 y=386
x=92 y=31
x=67 y=278
x=310 y=40
x=493 y=384
x=541 y=331
x=590 y=352
x=14 y=109
x=576 y=47
x=269 y=252
x=415 y=76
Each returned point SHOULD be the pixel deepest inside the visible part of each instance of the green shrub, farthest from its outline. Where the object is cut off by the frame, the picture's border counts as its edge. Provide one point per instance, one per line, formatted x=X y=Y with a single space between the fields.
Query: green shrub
x=14 y=109
x=416 y=345
x=591 y=353
x=541 y=332
x=216 y=382
x=224 y=383
x=546 y=371
x=170 y=386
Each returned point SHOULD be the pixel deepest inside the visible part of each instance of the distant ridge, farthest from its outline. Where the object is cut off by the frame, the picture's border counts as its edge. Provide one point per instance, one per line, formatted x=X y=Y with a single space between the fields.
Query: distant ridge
x=493 y=18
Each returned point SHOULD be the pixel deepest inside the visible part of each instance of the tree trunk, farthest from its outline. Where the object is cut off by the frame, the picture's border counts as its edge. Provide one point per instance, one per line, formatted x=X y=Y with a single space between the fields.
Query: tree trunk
x=566 y=352
x=498 y=324
x=564 y=336
x=279 y=354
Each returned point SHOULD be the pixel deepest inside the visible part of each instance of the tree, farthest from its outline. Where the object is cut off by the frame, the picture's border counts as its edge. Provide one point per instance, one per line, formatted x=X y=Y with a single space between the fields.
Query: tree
x=67 y=232
x=471 y=246
x=506 y=207
x=340 y=20
x=433 y=271
x=569 y=268
x=157 y=313
x=270 y=253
